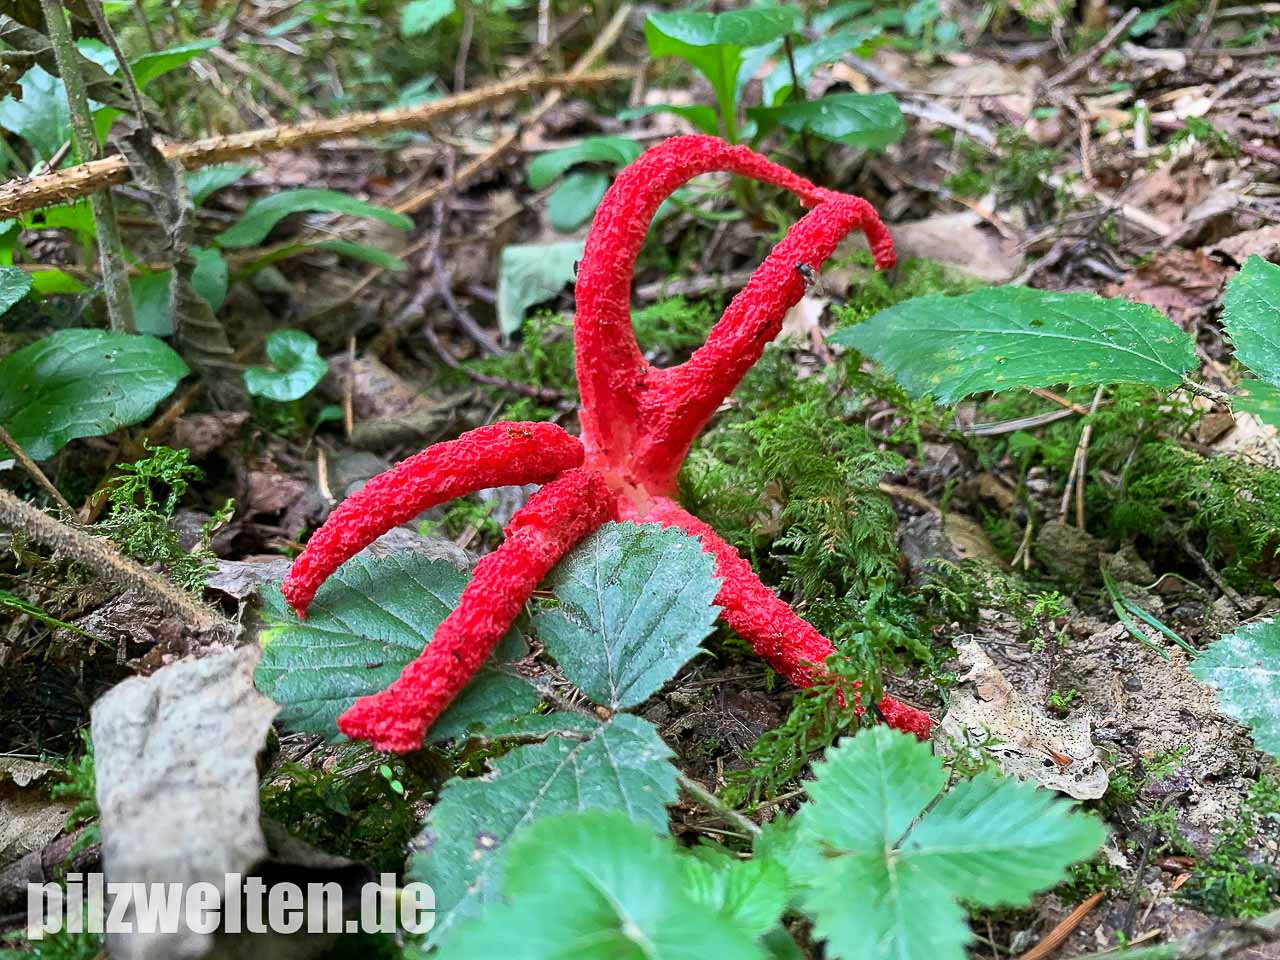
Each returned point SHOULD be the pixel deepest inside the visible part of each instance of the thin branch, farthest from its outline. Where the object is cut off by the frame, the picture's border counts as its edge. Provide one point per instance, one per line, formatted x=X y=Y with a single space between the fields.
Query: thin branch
x=715 y=804
x=1094 y=53
x=18 y=196
x=36 y=473
x=99 y=556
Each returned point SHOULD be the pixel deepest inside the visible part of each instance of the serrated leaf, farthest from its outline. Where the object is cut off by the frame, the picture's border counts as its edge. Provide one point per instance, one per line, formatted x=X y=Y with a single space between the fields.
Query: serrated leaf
x=1000 y=338
x=749 y=894
x=1244 y=667
x=869 y=121
x=1251 y=314
x=419 y=16
x=573 y=202
x=1260 y=399
x=262 y=215
x=623 y=884
x=531 y=273
x=367 y=622
x=989 y=842
x=616 y=152
x=635 y=600
x=14 y=285
x=297 y=364
x=206 y=181
x=621 y=765
x=83 y=383
x=40 y=117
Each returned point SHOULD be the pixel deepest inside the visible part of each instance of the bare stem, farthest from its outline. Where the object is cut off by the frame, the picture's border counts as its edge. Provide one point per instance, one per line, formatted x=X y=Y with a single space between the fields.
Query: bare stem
x=84 y=136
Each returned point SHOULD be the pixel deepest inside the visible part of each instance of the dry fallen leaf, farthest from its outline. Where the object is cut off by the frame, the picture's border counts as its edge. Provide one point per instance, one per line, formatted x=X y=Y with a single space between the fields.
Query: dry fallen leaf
x=1058 y=754
x=29 y=819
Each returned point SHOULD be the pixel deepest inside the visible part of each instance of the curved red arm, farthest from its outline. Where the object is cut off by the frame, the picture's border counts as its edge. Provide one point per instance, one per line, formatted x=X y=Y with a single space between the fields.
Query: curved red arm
x=543 y=531
x=790 y=645
x=491 y=456
x=613 y=376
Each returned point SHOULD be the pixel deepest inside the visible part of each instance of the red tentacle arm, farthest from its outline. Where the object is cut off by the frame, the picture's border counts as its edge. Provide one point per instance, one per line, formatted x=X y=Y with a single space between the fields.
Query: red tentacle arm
x=790 y=645
x=678 y=402
x=497 y=455
x=611 y=370
x=543 y=531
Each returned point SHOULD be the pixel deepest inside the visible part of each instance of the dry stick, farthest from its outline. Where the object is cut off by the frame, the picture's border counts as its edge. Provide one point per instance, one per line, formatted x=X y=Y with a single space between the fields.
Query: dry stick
x=20 y=195
x=716 y=805
x=1076 y=475
x=36 y=473
x=1094 y=53
x=1054 y=938
x=599 y=47
x=99 y=556
x=110 y=249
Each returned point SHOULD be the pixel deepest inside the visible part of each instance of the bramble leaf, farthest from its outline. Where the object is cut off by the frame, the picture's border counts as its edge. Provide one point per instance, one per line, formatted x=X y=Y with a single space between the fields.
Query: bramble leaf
x=83 y=383
x=624 y=885
x=298 y=367
x=999 y=338
x=620 y=765
x=990 y=841
x=366 y=623
x=634 y=602
x=1244 y=667
x=14 y=285
x=1251 y=314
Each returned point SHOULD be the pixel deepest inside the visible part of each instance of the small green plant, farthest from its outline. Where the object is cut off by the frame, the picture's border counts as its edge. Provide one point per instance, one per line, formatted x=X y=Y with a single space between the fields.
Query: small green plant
x=1239 y=878
x=727 y=49
x=80 y=785
x=583 y=171
x=143 y=500
x=1061 y=700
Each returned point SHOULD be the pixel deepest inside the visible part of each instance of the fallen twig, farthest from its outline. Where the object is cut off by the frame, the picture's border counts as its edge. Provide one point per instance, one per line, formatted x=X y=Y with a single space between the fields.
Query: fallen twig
x=1054 y=938
x=1094 y=53
x=36 y=473
x=20 y=195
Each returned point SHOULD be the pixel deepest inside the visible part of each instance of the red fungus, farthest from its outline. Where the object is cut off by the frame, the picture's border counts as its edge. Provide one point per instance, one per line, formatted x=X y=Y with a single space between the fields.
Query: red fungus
x=637 y=424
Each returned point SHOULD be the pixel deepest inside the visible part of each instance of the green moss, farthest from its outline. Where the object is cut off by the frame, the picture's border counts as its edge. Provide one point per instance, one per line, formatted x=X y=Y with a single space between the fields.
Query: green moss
x=1236 y=879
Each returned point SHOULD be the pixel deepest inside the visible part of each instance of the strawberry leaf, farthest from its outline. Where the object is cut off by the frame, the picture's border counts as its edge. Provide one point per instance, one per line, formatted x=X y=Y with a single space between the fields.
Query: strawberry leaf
x=1245 y=668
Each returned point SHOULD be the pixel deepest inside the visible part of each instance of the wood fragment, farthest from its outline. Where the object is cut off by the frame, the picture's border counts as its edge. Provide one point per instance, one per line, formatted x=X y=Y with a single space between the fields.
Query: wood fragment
x=1055 y=937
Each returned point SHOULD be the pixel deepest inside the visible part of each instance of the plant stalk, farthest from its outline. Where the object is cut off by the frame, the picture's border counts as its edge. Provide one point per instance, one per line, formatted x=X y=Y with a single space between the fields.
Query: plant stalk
x=115 y=276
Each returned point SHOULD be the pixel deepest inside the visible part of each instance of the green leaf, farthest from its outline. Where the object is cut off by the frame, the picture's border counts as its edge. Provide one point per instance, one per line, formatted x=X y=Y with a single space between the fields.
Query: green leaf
x=298 y=367
x=595 y=886
x=149 y=66
x=367 y=622
x=262 y=215
x=574 y=201
x=616 y=152
x=750 y=894
x=1260 y=399
x=83 y=383
x=777 y=85
x=14 y=285
x=989 y=842
x=635 y=600
x=869 y=121
x=620 y=765
x=1251 y=314
x=151 y=304
x=713 y=44
x=40 y=117
x=206 y=181
x=531 y=273
x=1005 y=337
x=45 y=282
x=419 y=16
x=1244 y=667
x=209 y=278
x=699 y=114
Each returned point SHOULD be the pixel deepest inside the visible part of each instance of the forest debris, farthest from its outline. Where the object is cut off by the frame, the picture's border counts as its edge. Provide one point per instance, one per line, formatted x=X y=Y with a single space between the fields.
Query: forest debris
x=959 y=240
x=29 y=818
x=1182 y=284
x=242 y=578
x=178 y=783
x=1265 y=242
x=1058 y=754
x=203 y=433
x=1067 y=552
